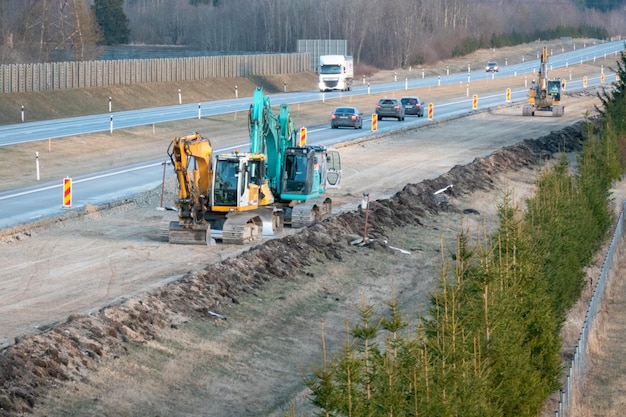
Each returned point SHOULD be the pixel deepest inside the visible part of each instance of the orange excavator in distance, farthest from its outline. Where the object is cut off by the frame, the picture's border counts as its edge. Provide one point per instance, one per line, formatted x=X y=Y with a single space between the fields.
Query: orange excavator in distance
x=544 y=94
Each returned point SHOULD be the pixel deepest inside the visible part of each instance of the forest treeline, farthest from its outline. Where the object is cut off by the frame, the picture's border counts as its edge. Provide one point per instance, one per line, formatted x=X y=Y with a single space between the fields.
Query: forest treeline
x=382 y=33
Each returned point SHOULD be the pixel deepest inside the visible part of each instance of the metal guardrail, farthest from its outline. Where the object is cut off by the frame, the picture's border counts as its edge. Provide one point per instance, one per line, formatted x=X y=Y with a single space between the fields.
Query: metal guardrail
x=580 y=363
x=19 y=78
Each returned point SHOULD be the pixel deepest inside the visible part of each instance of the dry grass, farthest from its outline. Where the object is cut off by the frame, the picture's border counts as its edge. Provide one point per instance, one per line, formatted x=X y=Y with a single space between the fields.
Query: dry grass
x=604 y=391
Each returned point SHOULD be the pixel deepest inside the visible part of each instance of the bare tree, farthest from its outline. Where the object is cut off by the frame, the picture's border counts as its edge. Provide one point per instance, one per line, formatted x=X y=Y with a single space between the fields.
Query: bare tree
x=58 y=29
x=384 y=33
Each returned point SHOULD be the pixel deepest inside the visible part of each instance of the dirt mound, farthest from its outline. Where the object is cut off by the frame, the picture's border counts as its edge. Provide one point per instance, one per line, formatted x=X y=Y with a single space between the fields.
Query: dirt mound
x=69 y=351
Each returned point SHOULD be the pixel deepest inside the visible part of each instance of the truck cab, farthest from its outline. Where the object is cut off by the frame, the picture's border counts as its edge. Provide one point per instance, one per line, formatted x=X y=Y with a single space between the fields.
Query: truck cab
x=336 y=72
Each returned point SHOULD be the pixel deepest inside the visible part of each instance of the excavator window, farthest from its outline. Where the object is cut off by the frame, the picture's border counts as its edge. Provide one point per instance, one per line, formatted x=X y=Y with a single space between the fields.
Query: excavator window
x=256 y=172
x=225 y=190
x=296 y=170
x=555 y=89
x=226 y=175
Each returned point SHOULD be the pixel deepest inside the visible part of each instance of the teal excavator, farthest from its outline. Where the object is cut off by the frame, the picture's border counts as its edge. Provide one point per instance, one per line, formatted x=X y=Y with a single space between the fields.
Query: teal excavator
x=298 y=174
x=241 y=197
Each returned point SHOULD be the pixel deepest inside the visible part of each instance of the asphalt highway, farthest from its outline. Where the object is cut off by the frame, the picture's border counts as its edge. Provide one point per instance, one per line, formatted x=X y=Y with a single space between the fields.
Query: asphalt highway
x=19 y=207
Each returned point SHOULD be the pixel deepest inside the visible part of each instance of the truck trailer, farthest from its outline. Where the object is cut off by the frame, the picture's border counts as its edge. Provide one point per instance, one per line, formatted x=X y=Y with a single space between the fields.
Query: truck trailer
x=336 y=72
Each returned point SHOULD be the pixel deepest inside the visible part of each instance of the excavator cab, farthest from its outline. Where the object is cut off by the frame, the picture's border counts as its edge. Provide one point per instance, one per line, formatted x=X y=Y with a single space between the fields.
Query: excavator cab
x=300 y=175
x=226 y=186
x=238 y=182
x=554 y=89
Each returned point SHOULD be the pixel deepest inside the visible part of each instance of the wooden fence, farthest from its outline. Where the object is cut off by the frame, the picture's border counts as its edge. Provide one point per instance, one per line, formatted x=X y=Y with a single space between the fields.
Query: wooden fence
x=17 y=78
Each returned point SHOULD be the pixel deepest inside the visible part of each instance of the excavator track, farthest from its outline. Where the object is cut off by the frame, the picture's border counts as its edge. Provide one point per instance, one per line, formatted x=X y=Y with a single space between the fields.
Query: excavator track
x=309 y=212
x=249 y=227
x=187 y=235
x=240 y=229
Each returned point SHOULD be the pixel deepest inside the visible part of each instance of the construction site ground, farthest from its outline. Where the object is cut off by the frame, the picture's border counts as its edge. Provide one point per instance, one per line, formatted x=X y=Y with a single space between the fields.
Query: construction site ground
x=101 y=316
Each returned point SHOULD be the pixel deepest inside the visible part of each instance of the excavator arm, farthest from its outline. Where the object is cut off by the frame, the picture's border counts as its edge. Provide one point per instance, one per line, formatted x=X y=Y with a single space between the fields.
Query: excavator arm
x=545 y=94
x=191 y=159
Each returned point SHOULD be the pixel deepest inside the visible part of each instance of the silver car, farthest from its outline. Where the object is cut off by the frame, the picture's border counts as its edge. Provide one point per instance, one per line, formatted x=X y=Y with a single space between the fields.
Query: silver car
x=492 y=67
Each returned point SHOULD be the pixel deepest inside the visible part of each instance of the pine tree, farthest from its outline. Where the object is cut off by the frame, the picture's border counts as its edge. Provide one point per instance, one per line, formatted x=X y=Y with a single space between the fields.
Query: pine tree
x=612 y=99
x=112 y=21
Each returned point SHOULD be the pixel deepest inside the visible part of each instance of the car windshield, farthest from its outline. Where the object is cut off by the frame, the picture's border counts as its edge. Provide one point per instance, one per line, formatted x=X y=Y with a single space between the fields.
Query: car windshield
x=409 y=101
x=387 y=102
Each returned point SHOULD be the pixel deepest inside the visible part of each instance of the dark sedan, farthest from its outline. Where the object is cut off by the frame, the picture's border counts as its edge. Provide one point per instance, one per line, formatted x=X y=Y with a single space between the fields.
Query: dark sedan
x=347 y=117
x=390 y=107
x=413 y=105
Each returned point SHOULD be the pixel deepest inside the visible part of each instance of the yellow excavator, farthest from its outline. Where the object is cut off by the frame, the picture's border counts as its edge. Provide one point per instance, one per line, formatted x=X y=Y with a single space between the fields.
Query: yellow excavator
x=544 y=95
x=218 y=192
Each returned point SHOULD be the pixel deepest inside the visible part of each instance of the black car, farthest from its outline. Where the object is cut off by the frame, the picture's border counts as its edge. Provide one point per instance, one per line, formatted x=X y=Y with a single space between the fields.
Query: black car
x=346 y=116
x=412 y=105
x=390 y=107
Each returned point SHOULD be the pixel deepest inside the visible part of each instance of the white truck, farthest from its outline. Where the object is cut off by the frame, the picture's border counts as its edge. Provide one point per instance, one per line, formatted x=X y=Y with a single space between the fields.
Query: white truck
x=336 y=72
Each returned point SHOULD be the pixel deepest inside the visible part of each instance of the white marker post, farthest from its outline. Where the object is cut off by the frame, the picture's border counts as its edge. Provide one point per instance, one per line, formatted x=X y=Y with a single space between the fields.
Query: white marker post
x=37 y=164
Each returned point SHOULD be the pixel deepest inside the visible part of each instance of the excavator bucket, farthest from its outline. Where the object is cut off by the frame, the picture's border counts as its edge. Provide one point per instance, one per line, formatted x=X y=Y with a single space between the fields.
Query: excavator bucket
x=183 y=235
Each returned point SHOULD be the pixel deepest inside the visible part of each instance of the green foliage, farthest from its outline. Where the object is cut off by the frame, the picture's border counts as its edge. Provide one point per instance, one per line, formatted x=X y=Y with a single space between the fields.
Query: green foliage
x=417 y=60
x=500 y=40
x=467 y=46
x=600 y=5
x=565 y=233
x=613 y=99
x=112 y=21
